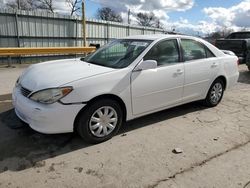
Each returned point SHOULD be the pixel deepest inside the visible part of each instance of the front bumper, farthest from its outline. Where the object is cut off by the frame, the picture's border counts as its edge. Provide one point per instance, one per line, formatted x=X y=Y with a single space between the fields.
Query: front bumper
x=50 y=119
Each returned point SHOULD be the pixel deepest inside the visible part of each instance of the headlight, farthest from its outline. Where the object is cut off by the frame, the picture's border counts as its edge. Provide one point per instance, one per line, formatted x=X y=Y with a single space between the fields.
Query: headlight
x=49 y=96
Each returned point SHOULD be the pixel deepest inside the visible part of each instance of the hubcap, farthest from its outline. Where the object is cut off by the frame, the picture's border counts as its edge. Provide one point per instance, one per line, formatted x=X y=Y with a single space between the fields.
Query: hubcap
x=103 y=121
x=216 y=93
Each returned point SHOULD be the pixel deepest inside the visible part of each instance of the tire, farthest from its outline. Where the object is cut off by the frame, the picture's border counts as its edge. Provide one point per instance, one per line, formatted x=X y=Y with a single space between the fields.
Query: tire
x=94 y=126
x=215 y=93
x=248 y=68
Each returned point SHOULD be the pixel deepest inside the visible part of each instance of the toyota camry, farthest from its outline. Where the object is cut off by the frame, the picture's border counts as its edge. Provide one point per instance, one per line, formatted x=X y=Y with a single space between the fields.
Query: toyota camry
x=125 y=79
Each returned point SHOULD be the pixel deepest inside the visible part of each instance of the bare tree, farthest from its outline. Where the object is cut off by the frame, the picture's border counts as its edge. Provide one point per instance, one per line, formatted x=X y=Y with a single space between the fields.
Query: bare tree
x=147 y=20
x=244 y=29
x=108 y=14
x=46 y=4
x=216 y=35
x=226 y=31
x=74 y=6
x=222 y=33
x=22 y=4
x=42 y=4
x=158 y=24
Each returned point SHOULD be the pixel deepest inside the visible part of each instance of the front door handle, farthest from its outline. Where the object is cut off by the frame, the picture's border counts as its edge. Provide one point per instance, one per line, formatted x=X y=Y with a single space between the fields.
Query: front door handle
x=179 y=72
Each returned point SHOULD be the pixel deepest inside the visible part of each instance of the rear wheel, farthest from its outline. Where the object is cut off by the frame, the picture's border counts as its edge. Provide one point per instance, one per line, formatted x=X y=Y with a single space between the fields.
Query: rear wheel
x=100 y=121
x=215 y=93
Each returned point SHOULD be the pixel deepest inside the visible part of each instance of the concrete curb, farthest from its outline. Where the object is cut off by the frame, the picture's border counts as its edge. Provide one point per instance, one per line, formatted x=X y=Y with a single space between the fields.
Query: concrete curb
x=5 y=97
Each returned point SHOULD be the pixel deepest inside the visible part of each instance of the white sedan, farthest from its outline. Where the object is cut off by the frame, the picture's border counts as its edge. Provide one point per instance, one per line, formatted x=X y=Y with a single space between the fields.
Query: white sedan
x=126 y=79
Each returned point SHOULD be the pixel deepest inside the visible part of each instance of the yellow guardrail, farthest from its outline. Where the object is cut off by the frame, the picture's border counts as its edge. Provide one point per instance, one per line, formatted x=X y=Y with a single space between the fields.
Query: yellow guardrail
x=10 y=52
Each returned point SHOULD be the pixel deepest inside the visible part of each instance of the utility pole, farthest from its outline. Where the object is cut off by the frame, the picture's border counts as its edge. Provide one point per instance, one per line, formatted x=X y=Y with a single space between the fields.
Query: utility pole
x=18 y=5
x=84 y=23
x=129 y=16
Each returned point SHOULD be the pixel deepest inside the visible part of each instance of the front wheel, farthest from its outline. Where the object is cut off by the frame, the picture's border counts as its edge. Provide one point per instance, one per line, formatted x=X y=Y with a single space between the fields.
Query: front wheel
x=215 y=93
x=100 y=121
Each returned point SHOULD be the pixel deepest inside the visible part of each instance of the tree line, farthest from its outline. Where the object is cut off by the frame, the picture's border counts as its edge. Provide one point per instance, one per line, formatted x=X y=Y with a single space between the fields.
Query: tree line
x=142 y=19
x=105 y=13
x=48 y=5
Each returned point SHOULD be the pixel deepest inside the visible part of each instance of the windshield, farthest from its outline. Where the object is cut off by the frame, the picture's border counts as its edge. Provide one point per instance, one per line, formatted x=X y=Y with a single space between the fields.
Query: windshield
x=119 y=53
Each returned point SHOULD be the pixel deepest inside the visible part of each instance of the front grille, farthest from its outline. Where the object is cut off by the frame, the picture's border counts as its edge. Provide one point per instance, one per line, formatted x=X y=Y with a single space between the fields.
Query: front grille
x=25 y=92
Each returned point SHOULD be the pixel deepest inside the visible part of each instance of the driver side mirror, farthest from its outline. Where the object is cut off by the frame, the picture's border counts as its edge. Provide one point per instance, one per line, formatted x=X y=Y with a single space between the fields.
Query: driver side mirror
x=145 y=65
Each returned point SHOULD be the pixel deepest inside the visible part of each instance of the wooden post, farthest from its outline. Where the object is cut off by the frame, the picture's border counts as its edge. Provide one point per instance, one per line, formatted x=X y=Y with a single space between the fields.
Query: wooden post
x=84 y=23
x=129 y=16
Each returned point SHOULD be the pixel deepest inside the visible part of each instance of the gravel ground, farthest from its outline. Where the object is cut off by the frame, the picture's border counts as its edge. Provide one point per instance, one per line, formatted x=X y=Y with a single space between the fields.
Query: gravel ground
x=215 y=145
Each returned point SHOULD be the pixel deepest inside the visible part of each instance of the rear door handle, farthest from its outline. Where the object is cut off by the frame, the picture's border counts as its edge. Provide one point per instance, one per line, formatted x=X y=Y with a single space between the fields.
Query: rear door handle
x=214 y=65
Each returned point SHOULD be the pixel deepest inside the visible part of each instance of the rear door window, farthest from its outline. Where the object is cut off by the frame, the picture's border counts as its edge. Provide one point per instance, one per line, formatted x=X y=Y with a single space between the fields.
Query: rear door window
x=193 y=50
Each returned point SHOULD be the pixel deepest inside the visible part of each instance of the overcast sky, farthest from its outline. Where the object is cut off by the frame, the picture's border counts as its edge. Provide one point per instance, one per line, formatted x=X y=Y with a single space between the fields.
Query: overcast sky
x=189 y=16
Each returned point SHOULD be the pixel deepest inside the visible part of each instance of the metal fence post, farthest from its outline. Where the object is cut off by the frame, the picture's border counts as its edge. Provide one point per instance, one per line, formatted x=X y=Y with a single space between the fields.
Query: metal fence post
x=18 y=35
x=107 y=37
x=76 y=33
x=128 y=30
x=10 y=63
x=76 y=43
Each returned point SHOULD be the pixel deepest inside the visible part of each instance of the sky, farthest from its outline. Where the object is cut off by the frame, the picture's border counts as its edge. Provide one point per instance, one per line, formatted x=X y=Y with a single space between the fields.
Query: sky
x=200 y=17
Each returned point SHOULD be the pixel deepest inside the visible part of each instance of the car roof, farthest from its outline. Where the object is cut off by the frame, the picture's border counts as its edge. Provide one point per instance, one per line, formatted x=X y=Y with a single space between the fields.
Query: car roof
x=241 y=32
x=157 y=36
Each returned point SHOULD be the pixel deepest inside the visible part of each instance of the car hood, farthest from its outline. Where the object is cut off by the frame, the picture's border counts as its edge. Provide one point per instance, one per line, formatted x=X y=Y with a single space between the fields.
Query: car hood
x=60 y=72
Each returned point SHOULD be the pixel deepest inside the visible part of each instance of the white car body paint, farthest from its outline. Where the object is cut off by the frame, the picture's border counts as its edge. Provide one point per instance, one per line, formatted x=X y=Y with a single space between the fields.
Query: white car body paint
x=142 y=92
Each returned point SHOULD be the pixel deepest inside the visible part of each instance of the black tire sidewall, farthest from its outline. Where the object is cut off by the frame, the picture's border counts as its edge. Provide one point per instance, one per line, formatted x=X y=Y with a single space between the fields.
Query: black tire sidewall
x=85 y=115
x=208 y=98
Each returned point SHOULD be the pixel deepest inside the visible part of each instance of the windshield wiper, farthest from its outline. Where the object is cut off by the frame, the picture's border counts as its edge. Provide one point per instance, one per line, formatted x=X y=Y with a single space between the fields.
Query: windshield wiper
x=91 y=62
x=95 y=63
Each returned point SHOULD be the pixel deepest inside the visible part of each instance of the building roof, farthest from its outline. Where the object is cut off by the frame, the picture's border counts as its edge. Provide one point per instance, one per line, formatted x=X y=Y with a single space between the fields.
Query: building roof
x=155 y=36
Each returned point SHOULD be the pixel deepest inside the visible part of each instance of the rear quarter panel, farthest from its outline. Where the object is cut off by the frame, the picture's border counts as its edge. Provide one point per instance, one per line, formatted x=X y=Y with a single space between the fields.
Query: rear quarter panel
x=231 y=71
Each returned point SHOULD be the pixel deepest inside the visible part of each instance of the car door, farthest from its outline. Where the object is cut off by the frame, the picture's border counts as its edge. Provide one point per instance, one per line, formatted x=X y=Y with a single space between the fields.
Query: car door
x=201 y=68
x=161 y=87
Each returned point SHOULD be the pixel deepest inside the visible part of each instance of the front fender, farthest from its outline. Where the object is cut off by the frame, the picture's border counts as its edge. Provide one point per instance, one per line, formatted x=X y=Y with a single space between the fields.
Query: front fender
x=114 y=83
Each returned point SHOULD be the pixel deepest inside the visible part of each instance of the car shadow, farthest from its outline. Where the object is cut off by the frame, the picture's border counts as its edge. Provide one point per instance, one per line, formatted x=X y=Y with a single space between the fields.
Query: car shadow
x=244 y=77
x=23 y=148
